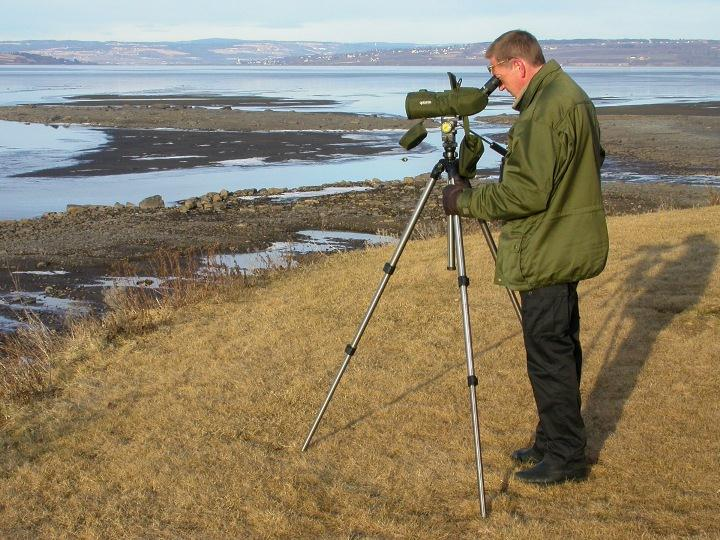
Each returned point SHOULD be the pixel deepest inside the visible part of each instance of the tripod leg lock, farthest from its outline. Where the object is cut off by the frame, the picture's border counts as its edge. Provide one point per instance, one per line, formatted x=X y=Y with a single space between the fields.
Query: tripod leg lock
x=463 y=281
x=472 y=380
x=350 y=350
x=389 y=269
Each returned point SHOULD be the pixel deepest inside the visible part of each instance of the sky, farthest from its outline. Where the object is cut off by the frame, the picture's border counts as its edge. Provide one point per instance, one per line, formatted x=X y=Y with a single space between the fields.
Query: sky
x=419 y=21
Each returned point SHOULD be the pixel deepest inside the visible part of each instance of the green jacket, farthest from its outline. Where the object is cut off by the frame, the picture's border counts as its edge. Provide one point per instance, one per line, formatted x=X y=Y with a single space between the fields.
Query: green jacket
x=549 y=195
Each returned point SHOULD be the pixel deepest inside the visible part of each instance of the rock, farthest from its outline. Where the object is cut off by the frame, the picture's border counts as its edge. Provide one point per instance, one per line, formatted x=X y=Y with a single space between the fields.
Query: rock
x=189 y=204
x=274 y=191
x=129 y=205
x=224 y=193
x=118 y=205
x=409 y=181
x=151 y=203
x=41 y=264
x=216 y=198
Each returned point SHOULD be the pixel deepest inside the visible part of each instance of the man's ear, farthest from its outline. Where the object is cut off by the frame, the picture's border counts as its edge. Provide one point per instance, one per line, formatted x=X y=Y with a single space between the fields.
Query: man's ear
x=521 y=66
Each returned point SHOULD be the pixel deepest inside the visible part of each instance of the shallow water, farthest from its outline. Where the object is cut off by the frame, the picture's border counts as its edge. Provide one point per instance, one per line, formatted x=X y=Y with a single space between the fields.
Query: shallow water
x=284 y=254
x=365 y=89
x=30 y=197
x=38 y=303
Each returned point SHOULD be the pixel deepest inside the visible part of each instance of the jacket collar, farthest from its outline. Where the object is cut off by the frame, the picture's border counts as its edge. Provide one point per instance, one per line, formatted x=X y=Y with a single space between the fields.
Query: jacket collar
x=534 y=85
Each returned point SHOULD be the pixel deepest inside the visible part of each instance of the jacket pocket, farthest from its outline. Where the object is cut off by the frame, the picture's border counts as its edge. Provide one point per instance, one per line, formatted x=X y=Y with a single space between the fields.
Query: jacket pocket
x=508 y=271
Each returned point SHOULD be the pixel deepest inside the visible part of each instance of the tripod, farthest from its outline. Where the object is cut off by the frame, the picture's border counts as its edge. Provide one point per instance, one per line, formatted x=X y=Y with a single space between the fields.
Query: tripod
x=456 y=259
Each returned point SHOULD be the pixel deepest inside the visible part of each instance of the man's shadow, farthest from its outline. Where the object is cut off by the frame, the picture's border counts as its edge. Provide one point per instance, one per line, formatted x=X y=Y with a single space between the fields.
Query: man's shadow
x=656 y=291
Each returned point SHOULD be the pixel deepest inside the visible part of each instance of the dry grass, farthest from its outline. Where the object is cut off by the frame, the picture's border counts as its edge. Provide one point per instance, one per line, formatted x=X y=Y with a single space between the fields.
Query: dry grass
x=194 y=427
x=25 y=360
x=713 y=195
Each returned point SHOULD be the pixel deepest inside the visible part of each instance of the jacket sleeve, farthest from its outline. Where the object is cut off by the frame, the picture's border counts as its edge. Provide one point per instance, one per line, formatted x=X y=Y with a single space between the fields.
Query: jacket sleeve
x=527 y=178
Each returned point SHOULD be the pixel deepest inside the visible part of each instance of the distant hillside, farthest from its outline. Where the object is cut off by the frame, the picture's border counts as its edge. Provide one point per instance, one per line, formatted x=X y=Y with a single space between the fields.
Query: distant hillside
x=30 y=58
x=591 y=52
x=201 y=52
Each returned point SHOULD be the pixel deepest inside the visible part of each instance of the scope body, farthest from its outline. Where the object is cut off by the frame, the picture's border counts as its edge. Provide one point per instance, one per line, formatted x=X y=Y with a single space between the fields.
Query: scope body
x=460 y=101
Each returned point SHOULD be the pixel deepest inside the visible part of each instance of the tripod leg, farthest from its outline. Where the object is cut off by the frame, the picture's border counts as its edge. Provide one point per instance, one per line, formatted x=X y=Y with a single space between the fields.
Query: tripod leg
x=450 y=244
x=493 y=251
x=472 y=380
x=388 y=269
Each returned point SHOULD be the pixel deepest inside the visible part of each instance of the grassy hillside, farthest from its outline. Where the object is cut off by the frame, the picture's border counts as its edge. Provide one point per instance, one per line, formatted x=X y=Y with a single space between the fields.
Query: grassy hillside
x=193 y=427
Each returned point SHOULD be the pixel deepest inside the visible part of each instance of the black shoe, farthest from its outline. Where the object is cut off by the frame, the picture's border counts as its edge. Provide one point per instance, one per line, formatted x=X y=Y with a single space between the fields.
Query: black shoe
x=527 y=456
x=545 y=473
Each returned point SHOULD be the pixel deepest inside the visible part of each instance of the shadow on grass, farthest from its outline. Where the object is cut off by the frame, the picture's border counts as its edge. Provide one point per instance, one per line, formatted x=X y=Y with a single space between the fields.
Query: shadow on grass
x=655 y=292
x=352 y=423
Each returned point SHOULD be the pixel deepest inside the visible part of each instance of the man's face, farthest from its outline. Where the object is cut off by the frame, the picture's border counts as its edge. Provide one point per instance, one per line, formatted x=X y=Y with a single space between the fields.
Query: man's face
x=512 y=73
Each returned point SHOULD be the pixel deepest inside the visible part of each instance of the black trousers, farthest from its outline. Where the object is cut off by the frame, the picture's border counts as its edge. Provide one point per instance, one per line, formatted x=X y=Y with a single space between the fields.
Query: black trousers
x=551 y=330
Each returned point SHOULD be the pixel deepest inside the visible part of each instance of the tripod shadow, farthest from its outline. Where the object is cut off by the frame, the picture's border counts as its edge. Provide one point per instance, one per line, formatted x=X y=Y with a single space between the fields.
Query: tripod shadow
x=352 y=423
x=656 y=291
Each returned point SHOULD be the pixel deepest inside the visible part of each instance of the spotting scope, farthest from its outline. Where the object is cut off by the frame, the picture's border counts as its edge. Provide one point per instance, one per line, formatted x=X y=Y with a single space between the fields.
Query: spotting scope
x=458 y=101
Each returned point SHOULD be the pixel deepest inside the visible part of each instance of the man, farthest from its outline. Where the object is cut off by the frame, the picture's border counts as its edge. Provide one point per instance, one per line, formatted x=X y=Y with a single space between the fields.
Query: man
x=554 y=235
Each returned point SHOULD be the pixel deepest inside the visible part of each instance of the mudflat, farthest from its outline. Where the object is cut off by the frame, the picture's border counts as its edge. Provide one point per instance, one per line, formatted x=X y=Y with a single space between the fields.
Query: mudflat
x=171 y=116
x=157 y=133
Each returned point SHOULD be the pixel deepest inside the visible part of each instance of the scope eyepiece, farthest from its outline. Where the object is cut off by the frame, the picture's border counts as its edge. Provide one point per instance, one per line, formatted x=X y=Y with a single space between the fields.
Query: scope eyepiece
x=491 y=85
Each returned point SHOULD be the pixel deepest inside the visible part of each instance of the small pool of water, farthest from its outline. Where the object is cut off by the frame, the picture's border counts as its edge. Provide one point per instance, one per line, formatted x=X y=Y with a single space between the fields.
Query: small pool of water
x=284 y=254
x=43 y=305
x=279 y=254
x=9 y=325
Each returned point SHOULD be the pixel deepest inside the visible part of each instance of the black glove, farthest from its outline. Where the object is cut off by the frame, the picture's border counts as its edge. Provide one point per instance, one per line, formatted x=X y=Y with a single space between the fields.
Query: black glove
x=451 y=193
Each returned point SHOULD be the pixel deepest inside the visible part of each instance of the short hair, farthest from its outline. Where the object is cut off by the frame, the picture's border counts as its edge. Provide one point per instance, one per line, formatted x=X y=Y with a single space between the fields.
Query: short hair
x=517 y=44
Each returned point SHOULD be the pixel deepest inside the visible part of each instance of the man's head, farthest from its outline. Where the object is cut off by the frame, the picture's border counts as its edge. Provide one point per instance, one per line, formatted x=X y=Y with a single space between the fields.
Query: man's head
x=515 y=57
